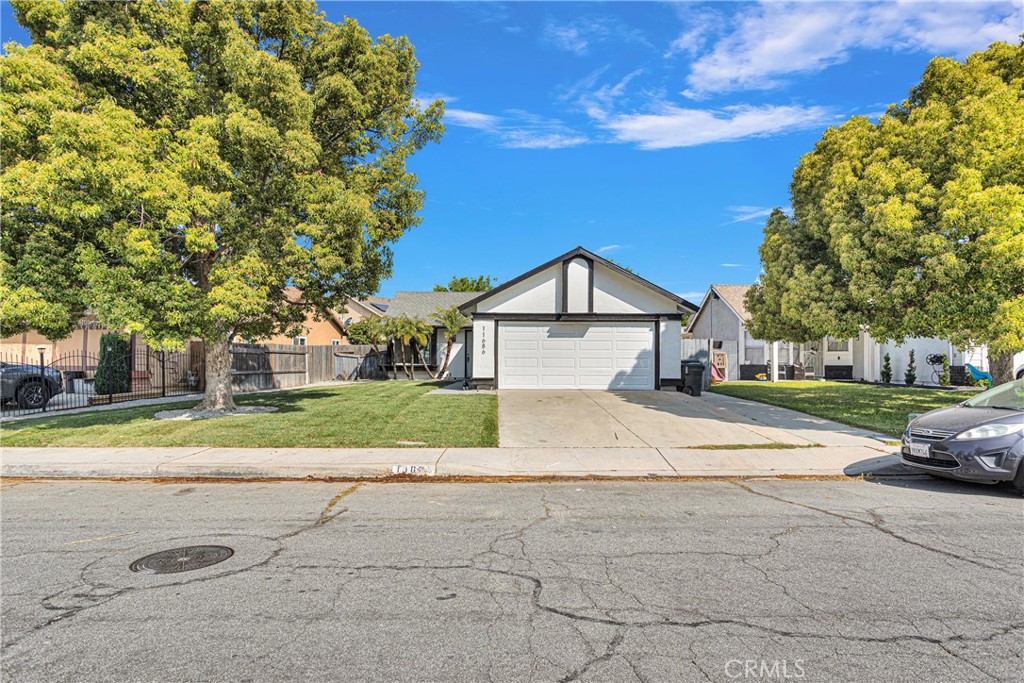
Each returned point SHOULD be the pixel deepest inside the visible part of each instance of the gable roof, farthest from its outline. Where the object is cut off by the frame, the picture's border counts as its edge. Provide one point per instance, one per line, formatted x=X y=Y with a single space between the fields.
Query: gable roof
x=424 y=304
x=734 y=297
x=580 y=251
x=374 y=305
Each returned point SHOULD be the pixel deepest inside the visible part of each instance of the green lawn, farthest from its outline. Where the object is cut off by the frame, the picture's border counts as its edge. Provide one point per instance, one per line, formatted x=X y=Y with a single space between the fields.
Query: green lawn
x=375 y=414
x=878 y=408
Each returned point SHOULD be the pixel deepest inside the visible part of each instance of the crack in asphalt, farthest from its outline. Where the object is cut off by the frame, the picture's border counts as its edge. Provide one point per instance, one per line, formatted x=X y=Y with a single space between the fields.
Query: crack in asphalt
x=86 y=589
x=94 y=593
x=876 y=524
x=608 y=653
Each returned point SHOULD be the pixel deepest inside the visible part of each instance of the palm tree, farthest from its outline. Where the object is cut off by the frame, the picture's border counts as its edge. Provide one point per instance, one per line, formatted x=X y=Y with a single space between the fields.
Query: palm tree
x=451 y=321
x=391 y=330
x=420 y=341
x=409 y=333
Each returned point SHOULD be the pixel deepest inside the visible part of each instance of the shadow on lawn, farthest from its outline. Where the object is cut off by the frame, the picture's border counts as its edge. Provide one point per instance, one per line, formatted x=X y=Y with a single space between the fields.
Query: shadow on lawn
x=284 y=401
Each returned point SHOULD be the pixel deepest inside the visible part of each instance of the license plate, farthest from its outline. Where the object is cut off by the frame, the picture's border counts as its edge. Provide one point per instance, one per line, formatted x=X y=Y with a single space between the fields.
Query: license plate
x=921 y=450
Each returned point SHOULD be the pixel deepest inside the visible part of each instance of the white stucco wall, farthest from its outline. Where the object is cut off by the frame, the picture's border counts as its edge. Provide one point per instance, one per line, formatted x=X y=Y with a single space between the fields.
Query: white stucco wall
x=483 y=348
x=671 y=349
x=541 y=293
x=457 y=364
x=578 y=279
x=614 y=293
x=717 y=321
x=899 y=355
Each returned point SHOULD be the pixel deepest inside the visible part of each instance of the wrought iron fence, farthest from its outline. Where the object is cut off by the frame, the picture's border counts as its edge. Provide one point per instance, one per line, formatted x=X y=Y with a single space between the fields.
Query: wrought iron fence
x=80 y=379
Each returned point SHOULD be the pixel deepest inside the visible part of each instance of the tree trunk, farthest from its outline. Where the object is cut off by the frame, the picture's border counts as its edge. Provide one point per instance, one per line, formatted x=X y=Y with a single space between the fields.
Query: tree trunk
x=447 y=357
x=1001 y=367
x=394 y=360
x=426 y=365
x=218 y=378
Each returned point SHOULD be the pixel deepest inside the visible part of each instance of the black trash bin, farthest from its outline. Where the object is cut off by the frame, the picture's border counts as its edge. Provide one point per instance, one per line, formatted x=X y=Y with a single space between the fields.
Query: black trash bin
x=693 y=377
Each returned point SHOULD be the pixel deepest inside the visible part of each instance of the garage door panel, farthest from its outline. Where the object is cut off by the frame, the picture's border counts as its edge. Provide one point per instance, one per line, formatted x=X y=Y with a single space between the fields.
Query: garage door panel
x=576 y=356
x=520 y=362
x=567 y=345
x=566 y=362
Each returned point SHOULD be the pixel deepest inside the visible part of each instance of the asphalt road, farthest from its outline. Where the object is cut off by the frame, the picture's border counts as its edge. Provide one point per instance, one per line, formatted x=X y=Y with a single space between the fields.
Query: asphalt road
x=589 y=581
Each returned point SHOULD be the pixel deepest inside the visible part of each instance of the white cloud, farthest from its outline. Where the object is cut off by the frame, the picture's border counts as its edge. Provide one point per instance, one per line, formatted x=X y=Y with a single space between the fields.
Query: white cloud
x=428 y=97
x=732 y=265
x=693 y=297
x=569 y=38
x=742 y=214
x=472 y=119
x=672 y=126
x=608 y=247
x=581 y=33
x=765 y=43
x=518 y=129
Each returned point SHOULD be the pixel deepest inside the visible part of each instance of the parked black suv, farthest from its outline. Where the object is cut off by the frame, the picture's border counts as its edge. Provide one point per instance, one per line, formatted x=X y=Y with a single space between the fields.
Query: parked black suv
x=30 y=386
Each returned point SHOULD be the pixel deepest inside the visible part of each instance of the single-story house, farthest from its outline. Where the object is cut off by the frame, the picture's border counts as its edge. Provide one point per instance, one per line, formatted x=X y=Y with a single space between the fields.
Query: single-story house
x=578 y=321
x=723 y=318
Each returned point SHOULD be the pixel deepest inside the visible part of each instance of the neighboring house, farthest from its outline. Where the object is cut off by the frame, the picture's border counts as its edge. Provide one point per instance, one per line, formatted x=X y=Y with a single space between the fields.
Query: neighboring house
x=723 y=317
x=423 y=305
x=578 y=321
x=84 y=341
x=330 y=328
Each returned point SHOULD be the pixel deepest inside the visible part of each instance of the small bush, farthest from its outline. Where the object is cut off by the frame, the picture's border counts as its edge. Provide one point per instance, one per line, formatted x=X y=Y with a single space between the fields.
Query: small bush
x=944 y=375
x=113 y=372
x=887 y=370
x=910 y=376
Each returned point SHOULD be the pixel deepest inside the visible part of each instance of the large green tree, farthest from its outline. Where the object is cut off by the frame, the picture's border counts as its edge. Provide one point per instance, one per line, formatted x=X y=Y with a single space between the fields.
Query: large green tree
x=481 y=283
x=912 y=226
x=176 y=165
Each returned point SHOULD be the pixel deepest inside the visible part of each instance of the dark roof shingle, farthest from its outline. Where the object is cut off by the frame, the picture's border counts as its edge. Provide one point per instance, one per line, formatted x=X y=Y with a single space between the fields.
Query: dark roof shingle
x=424 y=304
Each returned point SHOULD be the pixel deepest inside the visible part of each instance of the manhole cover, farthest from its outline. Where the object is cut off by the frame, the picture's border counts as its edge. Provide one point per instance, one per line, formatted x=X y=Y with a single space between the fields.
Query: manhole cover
x=181 y=559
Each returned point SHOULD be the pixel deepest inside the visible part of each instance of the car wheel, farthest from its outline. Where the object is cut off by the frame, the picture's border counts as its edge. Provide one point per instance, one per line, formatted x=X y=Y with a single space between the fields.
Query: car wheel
x=32 y=395
x=1018 y=481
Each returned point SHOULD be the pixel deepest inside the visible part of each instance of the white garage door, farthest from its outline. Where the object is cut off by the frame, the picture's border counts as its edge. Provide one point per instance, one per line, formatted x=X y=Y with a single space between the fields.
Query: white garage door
x=576 y=356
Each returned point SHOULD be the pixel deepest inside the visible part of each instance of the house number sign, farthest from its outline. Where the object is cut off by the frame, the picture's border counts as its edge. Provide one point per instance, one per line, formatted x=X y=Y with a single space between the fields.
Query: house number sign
x=483 y=341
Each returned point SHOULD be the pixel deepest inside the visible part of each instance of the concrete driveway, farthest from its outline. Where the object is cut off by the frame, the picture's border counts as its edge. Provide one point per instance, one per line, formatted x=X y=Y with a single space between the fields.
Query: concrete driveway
x=657 y=419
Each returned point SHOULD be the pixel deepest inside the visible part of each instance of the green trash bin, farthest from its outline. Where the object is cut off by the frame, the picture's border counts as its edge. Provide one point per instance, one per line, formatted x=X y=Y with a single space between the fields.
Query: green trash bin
x=693 y=377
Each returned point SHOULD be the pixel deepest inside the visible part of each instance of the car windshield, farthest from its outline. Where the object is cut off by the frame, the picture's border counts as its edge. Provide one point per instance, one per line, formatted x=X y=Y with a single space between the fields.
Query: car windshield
x=1009 y=395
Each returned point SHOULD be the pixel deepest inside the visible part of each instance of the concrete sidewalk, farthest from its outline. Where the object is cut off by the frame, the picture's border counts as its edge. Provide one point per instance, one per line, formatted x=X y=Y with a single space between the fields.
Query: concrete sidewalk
x=324 y=463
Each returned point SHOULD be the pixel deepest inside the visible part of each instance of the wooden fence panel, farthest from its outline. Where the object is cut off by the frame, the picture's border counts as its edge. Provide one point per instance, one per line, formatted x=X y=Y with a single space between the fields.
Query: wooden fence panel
x=351 y=366
x=267 y=366
x=320 y=363
x=280 y=366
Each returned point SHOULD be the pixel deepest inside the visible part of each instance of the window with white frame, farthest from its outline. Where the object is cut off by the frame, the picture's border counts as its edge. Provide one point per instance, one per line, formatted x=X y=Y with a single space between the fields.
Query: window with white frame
x=299 y=341
x=335 y=342
x=838 y=344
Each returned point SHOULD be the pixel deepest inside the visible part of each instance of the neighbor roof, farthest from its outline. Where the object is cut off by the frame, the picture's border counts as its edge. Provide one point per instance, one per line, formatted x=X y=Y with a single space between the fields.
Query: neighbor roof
x=736 y=297
x=580 y=251
x=425 y=304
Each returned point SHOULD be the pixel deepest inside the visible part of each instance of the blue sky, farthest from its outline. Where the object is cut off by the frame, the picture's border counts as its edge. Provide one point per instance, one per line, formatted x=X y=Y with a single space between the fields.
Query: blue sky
x=658 y=134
